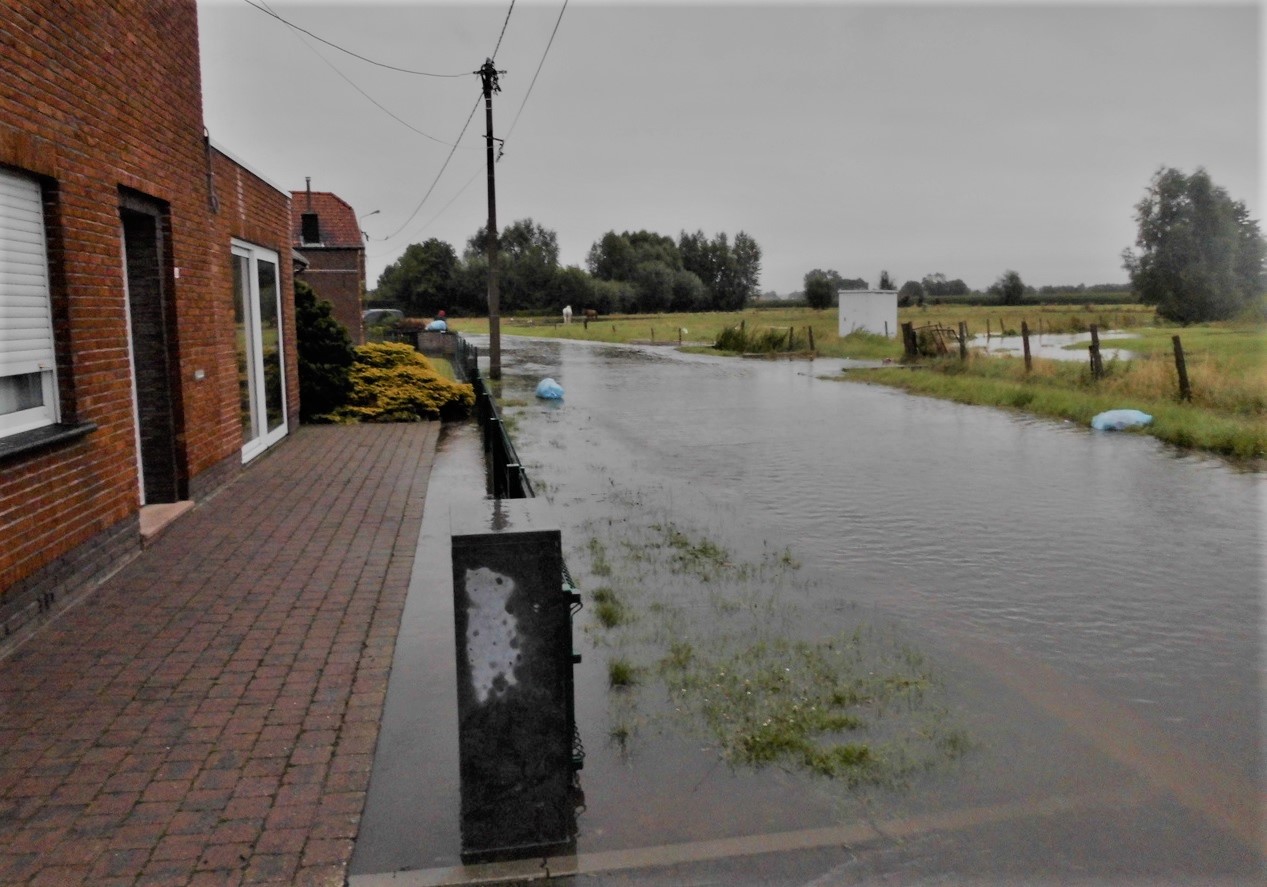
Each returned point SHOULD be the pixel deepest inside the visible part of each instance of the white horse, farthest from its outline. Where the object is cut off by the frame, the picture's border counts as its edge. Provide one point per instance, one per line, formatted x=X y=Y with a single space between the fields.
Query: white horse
x=567 y=313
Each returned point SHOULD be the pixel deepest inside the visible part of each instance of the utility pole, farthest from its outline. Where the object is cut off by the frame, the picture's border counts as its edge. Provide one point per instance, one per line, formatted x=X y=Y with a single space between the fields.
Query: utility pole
x=489 y=75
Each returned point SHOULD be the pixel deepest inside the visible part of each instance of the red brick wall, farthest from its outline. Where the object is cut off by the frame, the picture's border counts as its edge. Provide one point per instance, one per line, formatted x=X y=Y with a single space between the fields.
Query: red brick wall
x=337 y=275
x=96 y=96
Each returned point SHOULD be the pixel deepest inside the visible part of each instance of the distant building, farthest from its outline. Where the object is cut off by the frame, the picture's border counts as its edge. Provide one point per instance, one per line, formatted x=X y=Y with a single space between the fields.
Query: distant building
x=872 y=311
x=326 y=232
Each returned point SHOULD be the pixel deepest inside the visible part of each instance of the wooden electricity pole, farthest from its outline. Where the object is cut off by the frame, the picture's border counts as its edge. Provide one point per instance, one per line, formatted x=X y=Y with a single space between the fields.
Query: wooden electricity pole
x=489 y=75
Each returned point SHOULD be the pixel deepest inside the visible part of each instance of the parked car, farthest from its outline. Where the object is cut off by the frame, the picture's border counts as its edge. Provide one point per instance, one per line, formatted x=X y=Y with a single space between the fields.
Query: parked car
x=382 y=316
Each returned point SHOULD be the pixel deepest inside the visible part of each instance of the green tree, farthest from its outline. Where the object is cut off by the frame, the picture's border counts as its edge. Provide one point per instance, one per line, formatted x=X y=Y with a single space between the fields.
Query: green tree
x=1009 y=289
x=324 y=353
x=819 y=290
x=728 y=278
x=612 y=257
x=886 y=282
x=911 y=293
x=421 y=280
x=1200 y=254
x=747 y=266
x=572 y=286
x=527 y=262
x=689 y=293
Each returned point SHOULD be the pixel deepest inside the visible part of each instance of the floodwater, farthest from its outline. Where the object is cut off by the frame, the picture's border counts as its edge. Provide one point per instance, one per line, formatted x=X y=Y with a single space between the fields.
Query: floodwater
x=1089 y=604
x=1053 y=346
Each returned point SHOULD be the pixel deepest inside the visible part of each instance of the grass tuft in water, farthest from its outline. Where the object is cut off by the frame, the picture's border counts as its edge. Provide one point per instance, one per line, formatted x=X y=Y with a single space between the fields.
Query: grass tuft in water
x=609 y=609
x=621 y=673
x=599 y=565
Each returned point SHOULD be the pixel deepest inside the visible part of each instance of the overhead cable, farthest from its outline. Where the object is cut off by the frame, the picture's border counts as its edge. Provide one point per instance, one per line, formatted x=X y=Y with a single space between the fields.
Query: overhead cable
x=503 y=33
x=457 y=142
x=348 y=51
x=375 y=102
x=479 y=172
x=538 y=71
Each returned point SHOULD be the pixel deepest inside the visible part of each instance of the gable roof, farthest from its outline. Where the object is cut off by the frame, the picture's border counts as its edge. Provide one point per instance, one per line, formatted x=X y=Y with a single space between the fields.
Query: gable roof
x=337 y=220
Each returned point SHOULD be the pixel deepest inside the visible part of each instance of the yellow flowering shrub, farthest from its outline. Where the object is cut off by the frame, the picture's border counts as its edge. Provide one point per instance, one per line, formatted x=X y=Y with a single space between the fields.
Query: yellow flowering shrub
x=391 y=382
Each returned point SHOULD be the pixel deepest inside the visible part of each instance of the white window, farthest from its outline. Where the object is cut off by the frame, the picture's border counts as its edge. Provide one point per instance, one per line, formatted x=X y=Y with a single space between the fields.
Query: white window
x=28 y=383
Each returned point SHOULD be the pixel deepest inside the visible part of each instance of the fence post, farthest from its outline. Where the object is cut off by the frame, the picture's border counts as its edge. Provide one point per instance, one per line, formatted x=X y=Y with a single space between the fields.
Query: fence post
x=1185 y=390
x=1029 y=363
x=963 y=340
x=810 y=331
x=987 y=330
x=1097 y=365
x=908 y=338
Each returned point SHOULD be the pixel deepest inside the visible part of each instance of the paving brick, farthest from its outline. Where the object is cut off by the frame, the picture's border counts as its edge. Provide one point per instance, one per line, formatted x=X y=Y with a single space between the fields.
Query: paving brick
x=234 y=746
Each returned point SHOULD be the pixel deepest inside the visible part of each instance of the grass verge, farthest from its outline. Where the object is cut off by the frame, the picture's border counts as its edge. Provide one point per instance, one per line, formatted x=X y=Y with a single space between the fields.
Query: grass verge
x=1227 y=415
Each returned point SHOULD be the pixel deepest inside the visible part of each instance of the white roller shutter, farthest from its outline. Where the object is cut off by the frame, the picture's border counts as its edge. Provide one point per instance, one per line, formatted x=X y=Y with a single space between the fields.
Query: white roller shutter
x=26 y=322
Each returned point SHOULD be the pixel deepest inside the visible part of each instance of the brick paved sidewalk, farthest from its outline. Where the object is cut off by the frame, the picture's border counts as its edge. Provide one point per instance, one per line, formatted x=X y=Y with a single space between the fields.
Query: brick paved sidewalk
x=209 y=715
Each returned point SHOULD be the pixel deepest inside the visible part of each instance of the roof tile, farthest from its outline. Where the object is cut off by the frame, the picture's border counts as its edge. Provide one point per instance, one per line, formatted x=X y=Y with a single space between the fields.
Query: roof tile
x=339 y=226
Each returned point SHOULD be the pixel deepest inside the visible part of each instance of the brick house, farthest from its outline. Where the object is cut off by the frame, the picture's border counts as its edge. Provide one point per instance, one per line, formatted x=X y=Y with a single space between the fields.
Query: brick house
x=146 y=323
x=326 y=232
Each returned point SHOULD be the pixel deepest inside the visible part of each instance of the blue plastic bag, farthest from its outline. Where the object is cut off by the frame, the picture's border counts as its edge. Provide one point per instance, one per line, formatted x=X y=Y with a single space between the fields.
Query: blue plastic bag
x=1120 y=420
x=549 y=390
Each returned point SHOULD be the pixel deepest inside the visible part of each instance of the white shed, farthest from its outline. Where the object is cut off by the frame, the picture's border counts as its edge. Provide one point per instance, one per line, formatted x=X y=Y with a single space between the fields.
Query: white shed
x=873 y=311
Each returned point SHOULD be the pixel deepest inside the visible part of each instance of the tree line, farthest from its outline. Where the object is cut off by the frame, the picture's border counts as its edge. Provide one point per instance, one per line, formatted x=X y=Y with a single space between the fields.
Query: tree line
x=1199 y=257
x=631 y=273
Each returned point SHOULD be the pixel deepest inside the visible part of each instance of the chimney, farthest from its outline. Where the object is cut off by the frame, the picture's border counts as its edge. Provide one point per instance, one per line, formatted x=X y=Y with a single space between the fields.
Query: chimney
x=308 y=188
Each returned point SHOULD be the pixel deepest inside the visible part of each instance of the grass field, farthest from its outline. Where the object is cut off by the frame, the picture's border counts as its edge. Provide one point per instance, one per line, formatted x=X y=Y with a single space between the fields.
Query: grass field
x=1226 y=363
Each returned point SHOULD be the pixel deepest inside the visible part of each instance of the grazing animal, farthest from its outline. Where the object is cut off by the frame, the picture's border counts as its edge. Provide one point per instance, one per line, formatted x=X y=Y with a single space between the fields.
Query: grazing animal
x=567 y=313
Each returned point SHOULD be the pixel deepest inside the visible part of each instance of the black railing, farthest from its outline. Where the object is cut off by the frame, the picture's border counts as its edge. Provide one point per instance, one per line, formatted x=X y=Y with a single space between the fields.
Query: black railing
x=507 y=479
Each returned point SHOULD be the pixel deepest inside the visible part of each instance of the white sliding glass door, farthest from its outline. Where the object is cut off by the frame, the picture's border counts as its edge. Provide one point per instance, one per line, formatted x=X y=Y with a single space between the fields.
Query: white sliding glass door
x=257 y=312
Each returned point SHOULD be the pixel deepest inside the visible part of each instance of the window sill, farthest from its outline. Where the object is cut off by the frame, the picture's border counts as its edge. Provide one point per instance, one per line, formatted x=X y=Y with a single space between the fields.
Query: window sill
x=39 y=438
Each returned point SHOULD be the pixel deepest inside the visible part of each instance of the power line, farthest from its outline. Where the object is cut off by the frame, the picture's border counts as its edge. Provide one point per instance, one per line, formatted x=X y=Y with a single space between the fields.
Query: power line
x=503 y=33
x=550 y=43
x=350 y=52
x=458 y=141
x=432 y=220
x=471 y=116
x=372 y=100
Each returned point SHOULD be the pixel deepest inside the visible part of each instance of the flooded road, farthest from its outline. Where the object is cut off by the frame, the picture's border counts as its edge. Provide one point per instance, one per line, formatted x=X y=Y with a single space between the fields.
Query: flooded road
x=1088 y=603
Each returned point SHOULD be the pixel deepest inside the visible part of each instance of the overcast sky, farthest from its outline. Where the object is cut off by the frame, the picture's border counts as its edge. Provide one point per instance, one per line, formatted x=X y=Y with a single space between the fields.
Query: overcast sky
x=966 y=139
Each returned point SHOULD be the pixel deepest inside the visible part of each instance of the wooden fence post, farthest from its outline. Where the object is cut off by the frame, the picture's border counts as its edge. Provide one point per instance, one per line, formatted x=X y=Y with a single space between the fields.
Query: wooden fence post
x=963 y=340
x=1185 y=390
x=810 y=332
x=1097 y=365
x=908 y=338
x=1029 y=362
